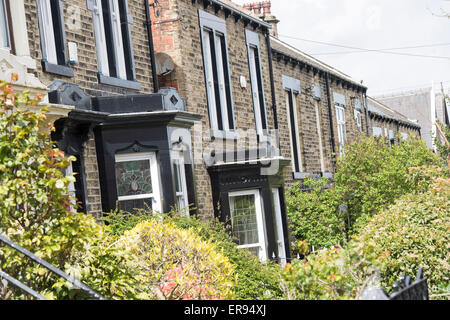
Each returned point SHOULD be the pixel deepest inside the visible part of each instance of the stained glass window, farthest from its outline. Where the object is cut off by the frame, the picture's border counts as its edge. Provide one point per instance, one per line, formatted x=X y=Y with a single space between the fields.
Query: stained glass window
x=133 y=178
x=137 y=181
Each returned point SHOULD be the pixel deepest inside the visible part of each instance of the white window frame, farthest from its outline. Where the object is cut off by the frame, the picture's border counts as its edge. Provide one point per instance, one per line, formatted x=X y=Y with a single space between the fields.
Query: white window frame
x=47 y=32
x=71 y=187
x=178 y=161
x=5 y=41
x=342 y=134
x=292 y=90
x=319 y=134
x=279 y=227
x=211 y=25
x=358 y=119
x=117 y=38
x=262 y=238
x=155 y=178
x=253 y=49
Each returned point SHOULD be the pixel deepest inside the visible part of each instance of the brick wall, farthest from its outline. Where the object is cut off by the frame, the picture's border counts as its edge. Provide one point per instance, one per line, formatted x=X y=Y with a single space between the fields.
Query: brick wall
x=79 y=29
x=177 y=33
x=307 y=120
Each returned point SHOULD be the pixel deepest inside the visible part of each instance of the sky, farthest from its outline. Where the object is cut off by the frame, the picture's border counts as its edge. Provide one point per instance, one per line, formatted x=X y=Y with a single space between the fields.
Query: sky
x=372 y=24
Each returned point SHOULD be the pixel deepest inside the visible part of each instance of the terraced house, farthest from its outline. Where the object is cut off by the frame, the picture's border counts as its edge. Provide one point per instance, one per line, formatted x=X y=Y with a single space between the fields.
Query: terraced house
x=182 y=103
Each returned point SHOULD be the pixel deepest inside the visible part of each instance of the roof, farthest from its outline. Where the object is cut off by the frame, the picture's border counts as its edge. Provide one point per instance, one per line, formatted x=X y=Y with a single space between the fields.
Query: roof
x=290 y=51
x=376 y=107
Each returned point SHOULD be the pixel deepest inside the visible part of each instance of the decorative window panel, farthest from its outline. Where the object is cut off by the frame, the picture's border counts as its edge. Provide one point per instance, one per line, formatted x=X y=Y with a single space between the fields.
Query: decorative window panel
x=247 y=222
x=137 y=181
x=256 y=79
x=217 y=74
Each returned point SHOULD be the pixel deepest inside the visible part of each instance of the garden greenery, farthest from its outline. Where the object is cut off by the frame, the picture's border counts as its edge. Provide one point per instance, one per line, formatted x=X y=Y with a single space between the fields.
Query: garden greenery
x=408 y=235
x=370 y=176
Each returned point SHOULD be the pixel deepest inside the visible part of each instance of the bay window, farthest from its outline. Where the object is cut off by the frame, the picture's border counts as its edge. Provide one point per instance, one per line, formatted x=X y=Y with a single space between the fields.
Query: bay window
x=137 y=181
x=256 y=80
x=247 y=221
x=217 y=75
x=113 y=42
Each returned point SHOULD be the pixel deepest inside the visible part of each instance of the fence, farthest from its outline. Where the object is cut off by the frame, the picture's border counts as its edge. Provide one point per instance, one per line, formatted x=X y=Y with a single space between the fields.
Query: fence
x=15 y=282
x=404 y=289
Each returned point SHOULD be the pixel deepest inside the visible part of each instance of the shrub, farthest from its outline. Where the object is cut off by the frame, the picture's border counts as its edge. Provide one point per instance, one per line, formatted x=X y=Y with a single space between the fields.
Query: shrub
x=410 y=234
x=177 y=264
x=415 y=231
x=314 y=215
x=372 y=175
x=255 y=280
x=35 y=212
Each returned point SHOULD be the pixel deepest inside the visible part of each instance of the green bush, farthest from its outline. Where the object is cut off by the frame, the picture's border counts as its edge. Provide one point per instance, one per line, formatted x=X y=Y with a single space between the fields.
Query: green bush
x=255 y=280
x=415 y=232
x=314 y=216
x=411 y=233
x=175 y=263
x=373 y=175
x=370 y=177
x=35 y=212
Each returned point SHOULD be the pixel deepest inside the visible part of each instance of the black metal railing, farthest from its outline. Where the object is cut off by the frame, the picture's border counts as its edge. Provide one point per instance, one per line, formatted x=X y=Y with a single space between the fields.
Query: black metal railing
x=404 y=289
x=46 y=265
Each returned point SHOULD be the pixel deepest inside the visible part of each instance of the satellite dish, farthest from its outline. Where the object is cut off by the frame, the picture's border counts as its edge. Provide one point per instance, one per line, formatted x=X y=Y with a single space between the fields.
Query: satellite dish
x=164 y=64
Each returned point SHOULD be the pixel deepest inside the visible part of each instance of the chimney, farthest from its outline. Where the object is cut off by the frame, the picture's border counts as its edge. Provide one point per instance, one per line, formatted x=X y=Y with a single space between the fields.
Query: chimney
x=263 y=11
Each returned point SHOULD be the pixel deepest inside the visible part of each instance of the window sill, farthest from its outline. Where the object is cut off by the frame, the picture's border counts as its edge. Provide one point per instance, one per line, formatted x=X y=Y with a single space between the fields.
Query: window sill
x=57 y=69
x=117 y=82
x=224 y=135
x=328 y=175
x=300 y=175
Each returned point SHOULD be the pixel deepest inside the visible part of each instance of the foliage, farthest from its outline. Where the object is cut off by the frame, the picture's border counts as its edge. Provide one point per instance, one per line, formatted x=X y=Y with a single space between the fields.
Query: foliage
x=416 y=233
x=255 y=280
x=442 y=148
x=177 y=264
x=314 y=215
x=410 y=234
x=331 y=274
x=370 y=177
x=35 y=211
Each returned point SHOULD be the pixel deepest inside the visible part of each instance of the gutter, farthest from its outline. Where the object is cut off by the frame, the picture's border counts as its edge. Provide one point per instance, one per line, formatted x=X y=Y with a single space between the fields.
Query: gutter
x=148 y=23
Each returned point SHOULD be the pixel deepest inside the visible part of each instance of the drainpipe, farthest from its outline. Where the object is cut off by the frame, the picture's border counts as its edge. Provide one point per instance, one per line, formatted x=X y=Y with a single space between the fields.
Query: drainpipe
x=150 y=44
x=330 y=112
x=272 y=84
x=367 y=113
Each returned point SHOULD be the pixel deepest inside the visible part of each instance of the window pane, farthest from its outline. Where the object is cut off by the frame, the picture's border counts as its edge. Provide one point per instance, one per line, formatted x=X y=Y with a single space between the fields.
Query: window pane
x=243 y=219
x=4 y=33
x=133 y=204
x=133 y=178
x=176 y=171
